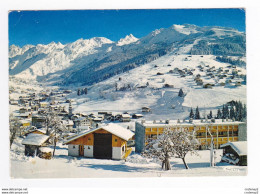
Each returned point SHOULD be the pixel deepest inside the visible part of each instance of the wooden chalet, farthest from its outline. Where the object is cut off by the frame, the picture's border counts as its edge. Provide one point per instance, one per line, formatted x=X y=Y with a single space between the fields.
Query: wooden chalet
x=146 y=109
x=207 y=85
x=125 y=118
x=105 y=142
x=38 y=121
x=37 y=131
x=137 y=116
x=235 y=152
x=33 y=142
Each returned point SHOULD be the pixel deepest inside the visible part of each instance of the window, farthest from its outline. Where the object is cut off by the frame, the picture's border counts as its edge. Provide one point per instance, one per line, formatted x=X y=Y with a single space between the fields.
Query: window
x=154 y=136
x=73 y=147
x=115 y=140
x=123 y=148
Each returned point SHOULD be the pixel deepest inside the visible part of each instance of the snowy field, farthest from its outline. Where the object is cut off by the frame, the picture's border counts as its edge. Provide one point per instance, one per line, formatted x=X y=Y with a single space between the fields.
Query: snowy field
x=64 y=166
x=104 y=97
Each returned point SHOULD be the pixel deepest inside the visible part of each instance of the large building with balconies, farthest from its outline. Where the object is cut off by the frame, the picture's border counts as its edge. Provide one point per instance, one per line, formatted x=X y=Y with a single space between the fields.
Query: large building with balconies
x=222 y=131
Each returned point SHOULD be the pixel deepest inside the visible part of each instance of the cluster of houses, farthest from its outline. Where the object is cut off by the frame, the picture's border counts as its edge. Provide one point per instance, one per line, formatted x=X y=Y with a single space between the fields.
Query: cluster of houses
x=211 y=76
x=221 y=76
x=87 y=135
x=32 y=113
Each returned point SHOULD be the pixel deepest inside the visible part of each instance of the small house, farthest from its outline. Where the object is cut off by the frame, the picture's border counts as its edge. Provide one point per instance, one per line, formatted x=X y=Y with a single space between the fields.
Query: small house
x=222 y=83
x=238 y=83
x=33 y=142
x=44 y=104
x=24 y=110
x=106 y=142
x=40 y=131
x=146 y=109
x=81 y=121
x=137 y=116
x=207 y=85
x=68 y=123
x=26 y=115
x=168 y=86
x=159 y=73
x=125 y=118
x=25 y=123
x=106 y=114
x=13 y=102
x=235 y=152
x=38 y=121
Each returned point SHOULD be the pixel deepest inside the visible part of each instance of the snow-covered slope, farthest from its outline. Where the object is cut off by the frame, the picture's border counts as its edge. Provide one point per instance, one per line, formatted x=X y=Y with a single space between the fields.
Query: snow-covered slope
x=127 y=40
x=31 y=62
x=96 y=59
x=147 y=86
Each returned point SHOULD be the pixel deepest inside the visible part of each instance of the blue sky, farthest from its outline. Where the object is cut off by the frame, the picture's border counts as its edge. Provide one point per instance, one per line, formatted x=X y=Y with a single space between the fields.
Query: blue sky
x=43 y=27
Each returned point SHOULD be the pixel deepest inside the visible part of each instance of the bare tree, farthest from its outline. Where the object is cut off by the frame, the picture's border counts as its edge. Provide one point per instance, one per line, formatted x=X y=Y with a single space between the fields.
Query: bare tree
x=160 y=148
x=54 y=127
x=184 y=141
x=171 y=143
x=14 y=127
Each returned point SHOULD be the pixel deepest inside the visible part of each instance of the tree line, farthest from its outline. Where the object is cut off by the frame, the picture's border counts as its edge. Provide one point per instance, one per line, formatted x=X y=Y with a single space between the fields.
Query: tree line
x=235 y=110
x=82 y=91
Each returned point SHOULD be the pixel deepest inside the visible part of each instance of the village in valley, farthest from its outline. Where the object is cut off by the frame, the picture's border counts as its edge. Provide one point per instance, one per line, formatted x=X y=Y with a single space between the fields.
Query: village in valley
x=88 y=99
x=49 y=129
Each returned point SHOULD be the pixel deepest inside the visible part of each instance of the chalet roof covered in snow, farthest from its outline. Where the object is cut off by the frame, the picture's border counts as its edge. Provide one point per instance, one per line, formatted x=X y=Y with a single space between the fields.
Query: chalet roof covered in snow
x=112 y=128
x=240 y=147
x=67 y=122
x=25 y=121
x=35 y=139
x=126 y=116
x=41 y=130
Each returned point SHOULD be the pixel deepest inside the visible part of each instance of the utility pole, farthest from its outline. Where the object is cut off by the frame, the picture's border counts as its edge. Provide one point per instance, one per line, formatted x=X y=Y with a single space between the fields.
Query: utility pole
x=212 y=162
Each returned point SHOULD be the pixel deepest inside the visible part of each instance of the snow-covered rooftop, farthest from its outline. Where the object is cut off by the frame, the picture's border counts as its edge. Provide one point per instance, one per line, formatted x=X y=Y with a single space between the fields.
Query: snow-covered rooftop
x=126 y=116
x=112 y=128
x=240 y=147
x=35 y=139
x=67 y=122
x=25 y=121
x=41 y=130
x=194 y=122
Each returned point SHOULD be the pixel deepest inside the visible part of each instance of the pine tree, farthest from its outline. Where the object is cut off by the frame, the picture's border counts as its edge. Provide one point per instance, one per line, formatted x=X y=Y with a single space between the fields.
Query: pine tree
x=219 y=114
x=232 y=114
x=191 y=113
x=181 y=93
x=210 y=116
x=86 y=91
x=197 y=113
x=116 y=86
x=78 y=93
x=244 y=112
x=225 y=112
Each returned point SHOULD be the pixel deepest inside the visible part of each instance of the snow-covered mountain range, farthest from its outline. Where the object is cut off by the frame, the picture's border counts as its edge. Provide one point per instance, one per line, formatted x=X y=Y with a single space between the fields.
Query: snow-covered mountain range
x=85 y=62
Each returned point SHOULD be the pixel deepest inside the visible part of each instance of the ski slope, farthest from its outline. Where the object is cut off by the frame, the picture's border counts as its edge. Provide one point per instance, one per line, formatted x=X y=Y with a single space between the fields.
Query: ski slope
x=104 y=97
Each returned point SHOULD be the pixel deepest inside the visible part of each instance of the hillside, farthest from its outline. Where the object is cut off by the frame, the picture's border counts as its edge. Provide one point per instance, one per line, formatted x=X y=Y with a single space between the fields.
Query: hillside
x=143 y=86
x=89 y=61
